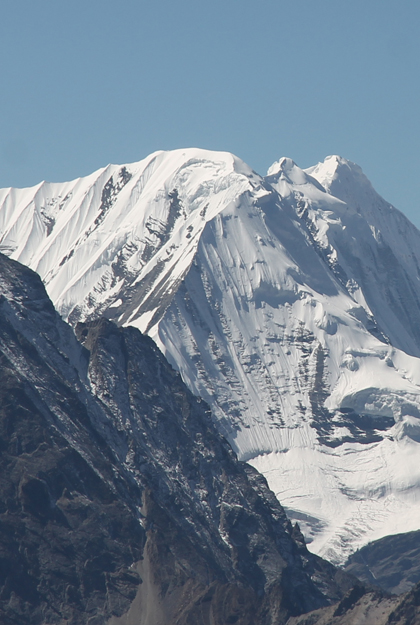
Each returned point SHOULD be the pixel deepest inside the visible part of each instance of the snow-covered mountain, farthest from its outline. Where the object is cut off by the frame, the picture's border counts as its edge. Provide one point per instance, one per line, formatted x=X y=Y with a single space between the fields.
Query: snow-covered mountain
x=290 y=303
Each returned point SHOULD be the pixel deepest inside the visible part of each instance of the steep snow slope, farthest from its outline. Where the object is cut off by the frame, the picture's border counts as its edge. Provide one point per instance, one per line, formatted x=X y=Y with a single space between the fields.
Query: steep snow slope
x=266 y=295
x=377 y=248
x=123 y=227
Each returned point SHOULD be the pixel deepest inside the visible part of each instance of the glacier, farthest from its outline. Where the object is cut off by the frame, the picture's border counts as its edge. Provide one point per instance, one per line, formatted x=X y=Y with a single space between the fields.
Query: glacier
x=289 y=302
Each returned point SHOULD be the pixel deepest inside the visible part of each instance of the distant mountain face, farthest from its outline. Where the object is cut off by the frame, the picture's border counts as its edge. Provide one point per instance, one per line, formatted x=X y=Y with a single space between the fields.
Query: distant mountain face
x=119 y=500
x=290 y=303
x=370 y=608
x=391 y=563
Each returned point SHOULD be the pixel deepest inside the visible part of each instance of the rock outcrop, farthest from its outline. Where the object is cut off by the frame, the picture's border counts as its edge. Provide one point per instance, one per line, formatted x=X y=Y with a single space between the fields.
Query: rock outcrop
x=120 y=501
x=392 y=562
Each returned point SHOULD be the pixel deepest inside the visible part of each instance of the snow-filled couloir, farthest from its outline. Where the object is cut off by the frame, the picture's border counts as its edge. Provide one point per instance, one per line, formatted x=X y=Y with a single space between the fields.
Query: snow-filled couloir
x=290 y=303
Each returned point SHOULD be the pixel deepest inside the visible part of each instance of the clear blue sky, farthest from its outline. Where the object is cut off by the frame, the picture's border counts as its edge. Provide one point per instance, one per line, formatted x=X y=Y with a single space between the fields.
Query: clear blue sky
x=85 y=83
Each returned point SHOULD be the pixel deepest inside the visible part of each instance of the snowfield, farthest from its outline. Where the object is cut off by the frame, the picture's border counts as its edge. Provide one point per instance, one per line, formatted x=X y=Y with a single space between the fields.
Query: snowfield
x=290 y=303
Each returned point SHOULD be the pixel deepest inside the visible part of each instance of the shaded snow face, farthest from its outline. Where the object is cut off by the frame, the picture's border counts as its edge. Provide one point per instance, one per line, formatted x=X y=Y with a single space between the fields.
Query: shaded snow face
x=289 y=303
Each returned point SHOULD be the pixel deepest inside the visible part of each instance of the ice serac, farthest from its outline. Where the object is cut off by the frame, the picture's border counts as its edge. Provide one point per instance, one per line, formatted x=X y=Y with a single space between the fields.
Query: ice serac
x=289 y=303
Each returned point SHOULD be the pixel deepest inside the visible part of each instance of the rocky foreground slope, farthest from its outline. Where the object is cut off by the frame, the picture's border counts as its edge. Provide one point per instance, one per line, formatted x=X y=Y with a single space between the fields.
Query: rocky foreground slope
x=367 y=608
x=290 y=303
x=120 y=501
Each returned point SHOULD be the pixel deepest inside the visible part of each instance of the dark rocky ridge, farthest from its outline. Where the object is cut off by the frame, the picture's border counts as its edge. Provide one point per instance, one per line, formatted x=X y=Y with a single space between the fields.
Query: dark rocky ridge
x=120 y=502
x=392 y=563
x=362 y=607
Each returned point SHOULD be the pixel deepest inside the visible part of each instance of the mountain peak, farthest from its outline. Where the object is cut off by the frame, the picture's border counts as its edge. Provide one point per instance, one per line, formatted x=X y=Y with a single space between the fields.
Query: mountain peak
x=286 y=171
x=339 y=176
x=283 y=164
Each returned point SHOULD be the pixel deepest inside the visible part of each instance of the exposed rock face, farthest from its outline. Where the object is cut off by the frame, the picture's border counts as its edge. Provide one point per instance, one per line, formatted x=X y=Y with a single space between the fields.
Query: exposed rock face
x=392 y=563
x=120 y=501
x=66 y=508
x=360 y=607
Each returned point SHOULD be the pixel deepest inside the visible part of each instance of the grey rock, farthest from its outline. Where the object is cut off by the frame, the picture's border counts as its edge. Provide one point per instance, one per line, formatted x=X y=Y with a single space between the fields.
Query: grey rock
x=392 y=563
